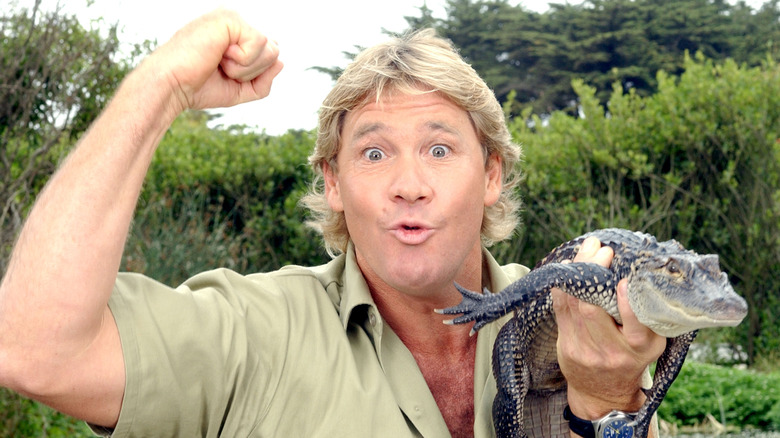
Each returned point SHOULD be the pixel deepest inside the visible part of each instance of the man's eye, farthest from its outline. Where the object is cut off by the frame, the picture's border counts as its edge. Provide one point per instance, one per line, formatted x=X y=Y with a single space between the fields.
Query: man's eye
x=373 y=154
x=440 y=151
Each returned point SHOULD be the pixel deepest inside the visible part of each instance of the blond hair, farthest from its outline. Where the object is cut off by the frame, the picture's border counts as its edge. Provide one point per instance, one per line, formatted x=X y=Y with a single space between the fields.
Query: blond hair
x=414 y=63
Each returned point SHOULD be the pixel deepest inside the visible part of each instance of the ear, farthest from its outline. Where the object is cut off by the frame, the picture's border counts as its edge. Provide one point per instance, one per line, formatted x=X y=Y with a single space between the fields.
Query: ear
x=493 y=180
x=332 y=187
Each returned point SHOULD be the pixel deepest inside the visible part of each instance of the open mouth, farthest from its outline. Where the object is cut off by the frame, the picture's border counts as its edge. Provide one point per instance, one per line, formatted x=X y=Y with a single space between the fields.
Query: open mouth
x=412 y=234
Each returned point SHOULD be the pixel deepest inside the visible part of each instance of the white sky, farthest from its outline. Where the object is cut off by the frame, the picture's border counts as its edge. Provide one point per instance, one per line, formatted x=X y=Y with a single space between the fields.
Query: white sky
x=309 y=33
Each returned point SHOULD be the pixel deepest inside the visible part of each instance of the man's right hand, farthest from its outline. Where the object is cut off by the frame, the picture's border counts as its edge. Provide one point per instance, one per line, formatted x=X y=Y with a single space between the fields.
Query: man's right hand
x=218 y=60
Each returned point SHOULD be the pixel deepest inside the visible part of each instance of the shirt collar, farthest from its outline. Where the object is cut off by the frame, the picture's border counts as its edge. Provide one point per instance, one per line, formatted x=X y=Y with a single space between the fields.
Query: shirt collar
x=356 y=294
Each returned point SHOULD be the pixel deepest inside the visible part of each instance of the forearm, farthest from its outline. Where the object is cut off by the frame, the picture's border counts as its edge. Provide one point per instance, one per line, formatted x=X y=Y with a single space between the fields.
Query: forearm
x=61 y=273
x=627 y=397
x=592 y=397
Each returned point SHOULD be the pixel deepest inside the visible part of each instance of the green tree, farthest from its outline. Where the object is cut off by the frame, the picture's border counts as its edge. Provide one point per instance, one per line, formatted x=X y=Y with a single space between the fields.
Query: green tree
x=761 y=33
x=56 y=76
x=425 y=20
x=537 y=56
x=481 y=31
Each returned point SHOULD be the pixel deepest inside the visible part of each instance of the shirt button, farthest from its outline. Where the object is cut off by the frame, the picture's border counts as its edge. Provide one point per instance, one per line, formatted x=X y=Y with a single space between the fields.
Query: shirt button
x=372 y=318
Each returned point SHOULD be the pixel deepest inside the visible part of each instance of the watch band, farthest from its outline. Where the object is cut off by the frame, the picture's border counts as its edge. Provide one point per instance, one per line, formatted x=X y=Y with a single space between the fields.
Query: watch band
x=615 y=422
x=583 y=428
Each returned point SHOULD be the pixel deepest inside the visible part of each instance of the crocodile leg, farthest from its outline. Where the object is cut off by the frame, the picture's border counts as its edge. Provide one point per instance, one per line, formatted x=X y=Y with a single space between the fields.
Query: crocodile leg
x=513 y=383
x=521 y=364
x=573 y=278
x=667 y=368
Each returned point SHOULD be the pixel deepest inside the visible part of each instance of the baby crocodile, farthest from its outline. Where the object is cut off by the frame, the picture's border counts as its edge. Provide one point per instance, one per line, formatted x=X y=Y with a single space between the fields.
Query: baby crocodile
x=673 y=291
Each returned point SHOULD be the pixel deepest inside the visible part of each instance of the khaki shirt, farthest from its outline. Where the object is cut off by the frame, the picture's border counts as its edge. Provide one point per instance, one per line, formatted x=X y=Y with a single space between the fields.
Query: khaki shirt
x=299 y=352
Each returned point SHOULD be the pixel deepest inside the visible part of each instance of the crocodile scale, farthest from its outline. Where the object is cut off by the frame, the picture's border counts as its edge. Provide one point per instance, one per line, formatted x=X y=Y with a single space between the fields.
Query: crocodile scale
x=673 y=291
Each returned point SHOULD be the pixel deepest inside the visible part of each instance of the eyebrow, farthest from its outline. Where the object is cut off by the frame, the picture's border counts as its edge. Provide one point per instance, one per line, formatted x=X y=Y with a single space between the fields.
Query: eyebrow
x=379 y=126
x=439 y=126
x=368 y=129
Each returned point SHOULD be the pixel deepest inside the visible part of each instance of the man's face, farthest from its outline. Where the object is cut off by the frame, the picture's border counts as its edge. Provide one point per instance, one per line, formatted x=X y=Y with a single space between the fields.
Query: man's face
x=412 y=181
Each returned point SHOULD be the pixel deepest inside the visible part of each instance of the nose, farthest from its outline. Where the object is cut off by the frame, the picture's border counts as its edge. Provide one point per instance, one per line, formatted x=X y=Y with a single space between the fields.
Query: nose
x=410 y=181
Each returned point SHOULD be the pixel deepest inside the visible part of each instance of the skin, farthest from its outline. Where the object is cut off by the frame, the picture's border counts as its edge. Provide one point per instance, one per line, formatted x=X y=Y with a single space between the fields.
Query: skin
x=59 y=343
x=413 y=183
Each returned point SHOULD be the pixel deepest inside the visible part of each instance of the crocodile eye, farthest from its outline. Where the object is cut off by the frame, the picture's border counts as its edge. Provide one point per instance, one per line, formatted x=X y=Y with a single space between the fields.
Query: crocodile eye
x=673 y=267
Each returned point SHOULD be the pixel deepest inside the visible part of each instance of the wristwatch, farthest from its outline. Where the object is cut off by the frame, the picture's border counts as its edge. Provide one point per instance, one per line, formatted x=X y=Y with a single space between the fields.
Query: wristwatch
x=616 y=424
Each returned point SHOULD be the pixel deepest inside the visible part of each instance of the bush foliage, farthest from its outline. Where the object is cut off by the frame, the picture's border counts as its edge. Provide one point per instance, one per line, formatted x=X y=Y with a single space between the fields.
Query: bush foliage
x=223 y=198
x=699 y=161
x=20 y=417
x=55 y=77
x=743 y=398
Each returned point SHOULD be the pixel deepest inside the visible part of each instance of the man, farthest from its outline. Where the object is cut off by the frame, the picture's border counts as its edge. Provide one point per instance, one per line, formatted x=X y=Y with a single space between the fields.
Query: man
x=414 y=184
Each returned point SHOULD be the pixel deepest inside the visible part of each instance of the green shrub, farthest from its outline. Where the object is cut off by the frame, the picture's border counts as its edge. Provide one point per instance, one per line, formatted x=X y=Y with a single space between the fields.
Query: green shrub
x=223 y=197
x=171 y=242
x=699 y=161
x=735 y=397
x=21 y=417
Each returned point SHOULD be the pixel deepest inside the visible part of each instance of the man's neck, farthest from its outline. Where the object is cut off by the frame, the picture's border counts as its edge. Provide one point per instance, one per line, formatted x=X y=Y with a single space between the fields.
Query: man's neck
x=445 y=355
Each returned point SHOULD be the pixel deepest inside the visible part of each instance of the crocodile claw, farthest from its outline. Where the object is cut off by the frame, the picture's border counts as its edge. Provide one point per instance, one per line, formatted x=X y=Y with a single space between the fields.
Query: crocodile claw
x=471 y=308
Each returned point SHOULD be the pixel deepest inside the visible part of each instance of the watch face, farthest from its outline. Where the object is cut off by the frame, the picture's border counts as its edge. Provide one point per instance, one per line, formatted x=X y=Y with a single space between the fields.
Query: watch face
x=617 y=428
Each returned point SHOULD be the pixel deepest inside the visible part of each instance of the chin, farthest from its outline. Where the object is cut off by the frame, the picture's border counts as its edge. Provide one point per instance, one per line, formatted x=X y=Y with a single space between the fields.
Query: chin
x=420 y=276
